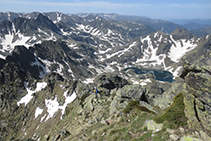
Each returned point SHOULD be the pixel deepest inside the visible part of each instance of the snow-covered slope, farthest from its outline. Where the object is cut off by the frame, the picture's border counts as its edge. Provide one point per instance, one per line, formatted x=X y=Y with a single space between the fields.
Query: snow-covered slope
x=95 y=44
x=157 y=50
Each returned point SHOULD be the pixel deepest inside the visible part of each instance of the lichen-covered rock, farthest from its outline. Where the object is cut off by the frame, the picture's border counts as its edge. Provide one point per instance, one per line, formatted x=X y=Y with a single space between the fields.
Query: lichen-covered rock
x=154 y=92
x=147 y=106
x=114 y=104
x=166 y=98
x=205 y=136
x=134 y=92
x=123 y=95
x=174 y=137
x=152 y=125
x=188 y=138
x=88 y=103
x=197 y=93
x=84 y=90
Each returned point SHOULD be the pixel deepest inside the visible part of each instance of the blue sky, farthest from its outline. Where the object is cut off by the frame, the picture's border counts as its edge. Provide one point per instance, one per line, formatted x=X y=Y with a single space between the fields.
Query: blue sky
x=156 y=9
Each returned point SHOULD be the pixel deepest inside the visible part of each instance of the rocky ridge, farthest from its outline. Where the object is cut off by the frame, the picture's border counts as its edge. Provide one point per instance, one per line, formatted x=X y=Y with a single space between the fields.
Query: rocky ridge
x=197 y=92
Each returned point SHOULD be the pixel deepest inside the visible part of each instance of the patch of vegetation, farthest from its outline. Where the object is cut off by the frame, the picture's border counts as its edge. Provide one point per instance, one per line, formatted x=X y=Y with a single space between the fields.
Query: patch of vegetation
x=135 y=104
x=117 y=131
x=161 y=136
x=174 y=115
x=131 y=105
x=144 y=137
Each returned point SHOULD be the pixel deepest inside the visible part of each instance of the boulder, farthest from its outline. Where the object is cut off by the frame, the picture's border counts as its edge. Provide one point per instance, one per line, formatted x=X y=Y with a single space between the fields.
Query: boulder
x=114 y=104
x=174 y=137
x=155 y=91
x=152 y=125
x=189 y=138
x=147 y=106
x=133 y=92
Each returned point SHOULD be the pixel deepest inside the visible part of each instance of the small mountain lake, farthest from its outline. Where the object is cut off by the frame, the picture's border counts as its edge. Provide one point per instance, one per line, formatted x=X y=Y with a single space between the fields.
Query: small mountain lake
x=160 y=75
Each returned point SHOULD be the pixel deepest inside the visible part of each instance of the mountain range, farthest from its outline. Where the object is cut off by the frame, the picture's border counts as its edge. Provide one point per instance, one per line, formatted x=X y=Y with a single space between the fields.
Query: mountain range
x=95 y=40
x=51 y=62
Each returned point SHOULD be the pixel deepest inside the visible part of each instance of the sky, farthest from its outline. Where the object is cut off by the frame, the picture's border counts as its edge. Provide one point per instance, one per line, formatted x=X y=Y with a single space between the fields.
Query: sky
x=155 y=9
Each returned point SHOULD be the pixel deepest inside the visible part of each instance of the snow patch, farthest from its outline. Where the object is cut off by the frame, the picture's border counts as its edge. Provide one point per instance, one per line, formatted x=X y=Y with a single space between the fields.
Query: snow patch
x=103 y=52
x=38 y=112
x=149 y=54
x=61 y=86
x=175 y=73
x=27 y=98
x=108 y=68
x=65 y=33
x=180 y=48
x=8 y=42
x=42 y=118
x=53 y=105
x=49 y=63
x=127 y=49
x=59 y=18
x=88 y=80
x=143 y=83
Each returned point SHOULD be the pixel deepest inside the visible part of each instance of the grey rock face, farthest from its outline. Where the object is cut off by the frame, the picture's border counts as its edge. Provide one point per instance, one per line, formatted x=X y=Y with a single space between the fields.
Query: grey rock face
x=26 y=61
x=110 y=81
x=133 y=92
x=197 y=93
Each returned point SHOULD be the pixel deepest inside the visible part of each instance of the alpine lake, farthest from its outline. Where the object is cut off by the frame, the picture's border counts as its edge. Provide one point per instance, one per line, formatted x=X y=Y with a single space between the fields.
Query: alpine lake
x=160 y=75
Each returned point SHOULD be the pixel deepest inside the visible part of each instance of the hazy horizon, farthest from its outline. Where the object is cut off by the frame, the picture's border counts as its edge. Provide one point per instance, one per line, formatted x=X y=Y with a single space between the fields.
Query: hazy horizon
x=165 y=9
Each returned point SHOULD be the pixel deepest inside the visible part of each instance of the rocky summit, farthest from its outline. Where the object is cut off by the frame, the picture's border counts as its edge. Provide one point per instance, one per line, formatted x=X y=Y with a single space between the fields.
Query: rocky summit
x=102 y=77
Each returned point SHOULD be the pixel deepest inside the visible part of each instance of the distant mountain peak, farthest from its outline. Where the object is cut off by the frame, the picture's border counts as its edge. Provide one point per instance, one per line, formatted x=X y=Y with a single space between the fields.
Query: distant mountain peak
x=182 y=33
x=42 y=17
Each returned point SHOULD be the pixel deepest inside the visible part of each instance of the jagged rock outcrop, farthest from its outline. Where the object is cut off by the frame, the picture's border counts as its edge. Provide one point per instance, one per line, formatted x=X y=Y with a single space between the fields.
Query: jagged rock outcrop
x=11 y=89
x=110 y=81
x=197 y=93
x=133 y=92
x=162 y=94
x=12 y=75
